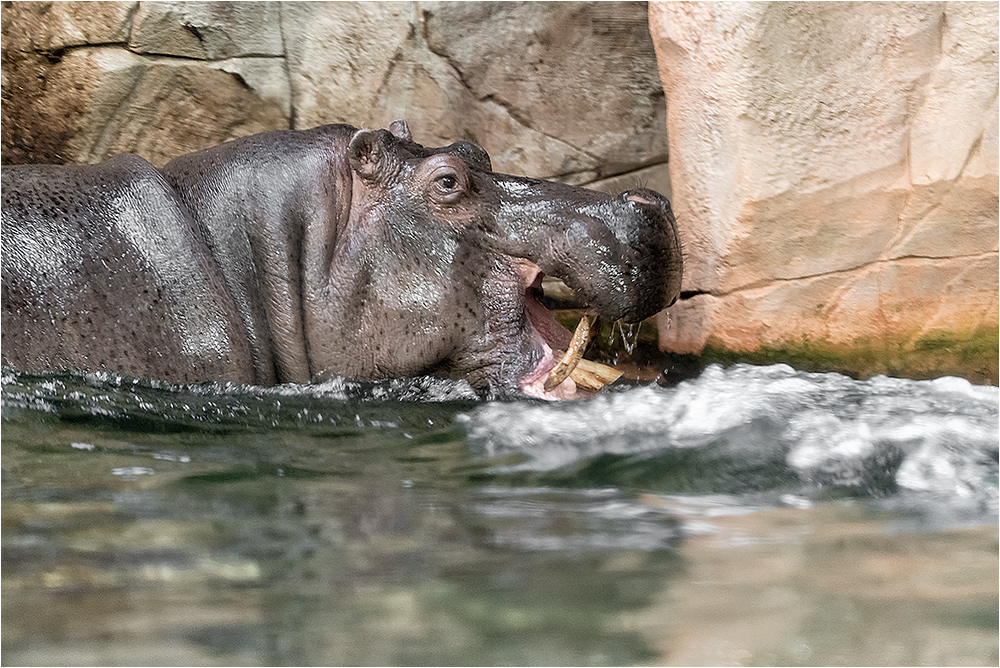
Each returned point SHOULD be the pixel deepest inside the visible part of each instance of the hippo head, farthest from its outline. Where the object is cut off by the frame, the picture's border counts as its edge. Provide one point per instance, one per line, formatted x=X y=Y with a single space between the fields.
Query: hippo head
x=438 y=267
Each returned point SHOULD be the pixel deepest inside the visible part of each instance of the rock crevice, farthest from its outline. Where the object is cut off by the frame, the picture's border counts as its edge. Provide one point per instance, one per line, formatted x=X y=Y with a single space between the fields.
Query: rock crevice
x=847 y=271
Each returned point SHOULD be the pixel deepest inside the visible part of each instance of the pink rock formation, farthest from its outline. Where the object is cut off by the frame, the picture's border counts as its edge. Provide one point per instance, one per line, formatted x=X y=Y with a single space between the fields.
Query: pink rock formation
x=834 y=170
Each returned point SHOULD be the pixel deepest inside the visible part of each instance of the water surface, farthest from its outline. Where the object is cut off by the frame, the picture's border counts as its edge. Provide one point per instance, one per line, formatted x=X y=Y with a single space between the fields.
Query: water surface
x=753 y=515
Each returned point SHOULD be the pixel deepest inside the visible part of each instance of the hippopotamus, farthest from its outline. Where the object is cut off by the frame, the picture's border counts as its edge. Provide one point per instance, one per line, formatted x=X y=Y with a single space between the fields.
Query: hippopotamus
x=293 y=256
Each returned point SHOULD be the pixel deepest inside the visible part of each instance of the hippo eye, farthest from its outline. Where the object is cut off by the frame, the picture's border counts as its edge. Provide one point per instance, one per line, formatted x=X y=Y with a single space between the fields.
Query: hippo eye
x=448 y=187
x=447 y=182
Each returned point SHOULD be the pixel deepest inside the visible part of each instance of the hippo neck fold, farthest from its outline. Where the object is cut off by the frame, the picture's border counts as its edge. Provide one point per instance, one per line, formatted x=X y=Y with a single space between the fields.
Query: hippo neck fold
x=270 y=207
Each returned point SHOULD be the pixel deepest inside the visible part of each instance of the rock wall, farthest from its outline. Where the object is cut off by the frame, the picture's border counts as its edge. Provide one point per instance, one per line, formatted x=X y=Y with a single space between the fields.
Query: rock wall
x=554 y=90
x=835 y=173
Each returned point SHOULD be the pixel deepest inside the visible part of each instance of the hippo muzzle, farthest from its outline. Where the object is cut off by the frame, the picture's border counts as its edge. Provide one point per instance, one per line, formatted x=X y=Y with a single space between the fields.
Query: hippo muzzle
x=290 y=256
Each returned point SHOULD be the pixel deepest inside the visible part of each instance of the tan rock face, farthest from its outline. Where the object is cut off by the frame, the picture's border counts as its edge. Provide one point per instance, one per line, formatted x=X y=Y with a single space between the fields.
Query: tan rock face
x=834 y=170
x=207 y=30
x=536 y=65
x=554 y=90
x=565 y=90
x=155 y=109
x=80 y=83
x=49 y=26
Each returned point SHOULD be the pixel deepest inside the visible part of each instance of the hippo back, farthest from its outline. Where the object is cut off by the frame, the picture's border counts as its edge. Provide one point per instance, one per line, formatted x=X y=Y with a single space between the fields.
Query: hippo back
x=103 y=269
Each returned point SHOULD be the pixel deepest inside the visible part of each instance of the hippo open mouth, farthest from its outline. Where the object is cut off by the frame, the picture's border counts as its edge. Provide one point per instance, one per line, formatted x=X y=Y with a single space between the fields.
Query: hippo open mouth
x=558 y=374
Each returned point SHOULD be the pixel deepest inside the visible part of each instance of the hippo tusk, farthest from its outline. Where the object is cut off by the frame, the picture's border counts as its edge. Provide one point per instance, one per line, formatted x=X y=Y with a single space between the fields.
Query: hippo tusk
x=566 y=365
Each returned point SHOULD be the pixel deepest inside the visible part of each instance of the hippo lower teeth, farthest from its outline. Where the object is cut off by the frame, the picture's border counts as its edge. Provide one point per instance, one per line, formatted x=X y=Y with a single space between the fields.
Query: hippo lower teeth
x=571 y=358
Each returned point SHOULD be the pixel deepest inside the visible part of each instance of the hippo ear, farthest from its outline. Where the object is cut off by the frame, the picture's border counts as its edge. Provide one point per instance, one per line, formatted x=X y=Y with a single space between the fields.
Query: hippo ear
x=370 y=157
x=401 y=130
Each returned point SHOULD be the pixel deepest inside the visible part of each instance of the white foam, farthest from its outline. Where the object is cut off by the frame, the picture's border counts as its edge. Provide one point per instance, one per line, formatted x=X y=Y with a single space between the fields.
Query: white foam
x=938 y=436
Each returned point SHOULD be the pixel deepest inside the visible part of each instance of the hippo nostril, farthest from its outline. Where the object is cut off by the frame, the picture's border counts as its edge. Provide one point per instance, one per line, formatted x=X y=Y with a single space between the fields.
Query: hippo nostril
x=644 y=197
x=642 y=200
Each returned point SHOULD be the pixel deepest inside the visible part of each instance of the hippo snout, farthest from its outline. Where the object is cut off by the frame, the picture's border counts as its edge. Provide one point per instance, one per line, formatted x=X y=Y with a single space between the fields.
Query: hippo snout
x=620 y=254
x=636 y=265
x=656 y=208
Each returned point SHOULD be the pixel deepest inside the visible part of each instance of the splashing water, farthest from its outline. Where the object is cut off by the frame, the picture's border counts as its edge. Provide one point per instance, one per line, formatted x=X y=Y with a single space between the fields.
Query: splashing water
x=741 y=430
x=772 y=429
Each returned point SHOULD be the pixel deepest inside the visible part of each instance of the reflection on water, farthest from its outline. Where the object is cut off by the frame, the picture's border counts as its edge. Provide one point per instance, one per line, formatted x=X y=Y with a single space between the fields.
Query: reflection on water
x=839 y=584
x=389 y=524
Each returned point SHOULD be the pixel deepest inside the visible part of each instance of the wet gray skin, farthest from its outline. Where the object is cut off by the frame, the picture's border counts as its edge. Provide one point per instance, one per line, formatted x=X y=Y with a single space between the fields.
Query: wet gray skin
x=295 y=255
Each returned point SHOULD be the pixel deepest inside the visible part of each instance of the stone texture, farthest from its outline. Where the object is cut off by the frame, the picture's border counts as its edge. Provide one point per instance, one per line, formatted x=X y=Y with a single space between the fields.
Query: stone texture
x=340 y=57
x=656 y=177
x=108 y=100
x=565 y=90
x=207 y=30
x=578 y=72
x=851 y=307
x=834 y=167
x=73 y=91
x=266 y=79
x=494 y=73
x=38 y=121
x=51 y=26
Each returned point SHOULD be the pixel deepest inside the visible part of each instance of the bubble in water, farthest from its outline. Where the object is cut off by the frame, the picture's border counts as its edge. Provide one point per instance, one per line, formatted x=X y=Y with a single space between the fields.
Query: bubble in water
x=132 y=471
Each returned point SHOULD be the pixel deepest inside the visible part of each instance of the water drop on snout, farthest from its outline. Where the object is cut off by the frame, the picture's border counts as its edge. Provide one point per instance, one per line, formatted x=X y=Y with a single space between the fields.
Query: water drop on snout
x=632 y=340
x=628 y=333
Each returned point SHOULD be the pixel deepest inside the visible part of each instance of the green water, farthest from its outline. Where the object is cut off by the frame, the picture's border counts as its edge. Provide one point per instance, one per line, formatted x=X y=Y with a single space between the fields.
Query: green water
x=150 y=525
